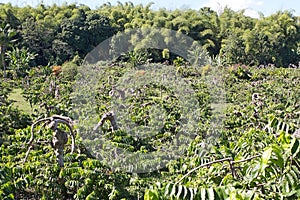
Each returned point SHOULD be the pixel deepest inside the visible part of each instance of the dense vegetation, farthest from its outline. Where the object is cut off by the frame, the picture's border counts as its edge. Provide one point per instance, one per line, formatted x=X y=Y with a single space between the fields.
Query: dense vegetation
x=254 y=154
x=58 y=33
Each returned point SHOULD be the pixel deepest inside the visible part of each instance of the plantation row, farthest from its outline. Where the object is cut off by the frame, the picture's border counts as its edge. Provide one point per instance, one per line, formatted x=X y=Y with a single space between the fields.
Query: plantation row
x=252 y=155
x=174 y=119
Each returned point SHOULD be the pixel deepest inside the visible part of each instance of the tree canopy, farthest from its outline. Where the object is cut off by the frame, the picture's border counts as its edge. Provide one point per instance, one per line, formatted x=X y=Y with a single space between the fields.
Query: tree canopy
x=58 y=33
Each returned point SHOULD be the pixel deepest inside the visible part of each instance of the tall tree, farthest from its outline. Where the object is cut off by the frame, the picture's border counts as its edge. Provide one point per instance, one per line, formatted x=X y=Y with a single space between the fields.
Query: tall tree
x=209 y=31
x=6 y=38
x=19 y=61
x=38 y=37
x=274 y=40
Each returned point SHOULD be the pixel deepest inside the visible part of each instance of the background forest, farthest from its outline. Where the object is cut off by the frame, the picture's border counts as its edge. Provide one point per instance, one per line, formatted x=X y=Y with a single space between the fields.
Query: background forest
x=58 y=33
x=256 y=155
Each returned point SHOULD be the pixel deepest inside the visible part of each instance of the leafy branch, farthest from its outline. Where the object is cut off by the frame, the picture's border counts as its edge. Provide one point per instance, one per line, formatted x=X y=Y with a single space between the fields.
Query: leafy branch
x=231 y=164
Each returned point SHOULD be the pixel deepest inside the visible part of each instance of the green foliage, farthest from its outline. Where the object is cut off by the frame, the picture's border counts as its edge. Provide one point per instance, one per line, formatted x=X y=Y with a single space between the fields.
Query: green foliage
x=6 y=38
x=58 y=33
x=18 y=101
x=166 y=54
x=70 y=69
x=40 y=177
x=262 y=157
x=241 y=72
x=48 y=92
x=205 y=70
x=11 y=118
x=252 y=155
x=136 y=58
x=272 y=174
x=70 y=30
x=179 y=61
x=19 y=61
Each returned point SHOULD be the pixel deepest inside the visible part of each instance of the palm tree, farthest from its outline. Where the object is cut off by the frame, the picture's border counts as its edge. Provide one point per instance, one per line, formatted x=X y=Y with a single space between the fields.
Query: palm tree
x=6 y=35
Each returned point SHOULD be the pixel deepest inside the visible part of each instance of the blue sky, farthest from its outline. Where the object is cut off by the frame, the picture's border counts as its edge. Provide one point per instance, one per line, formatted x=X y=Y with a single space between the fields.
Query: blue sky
x=267 y=7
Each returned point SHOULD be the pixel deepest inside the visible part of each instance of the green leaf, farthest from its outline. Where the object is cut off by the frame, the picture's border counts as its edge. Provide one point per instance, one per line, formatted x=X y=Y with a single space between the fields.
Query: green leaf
x=185 y=192
x=192 y=193
x=266 y=156
x=173 y=192
x=211 y=194
x=151 y=195
x=203 y=193
x=179 y=191
x=168 y=189
x=273 y=121
x=295 y=147
x=91 y=196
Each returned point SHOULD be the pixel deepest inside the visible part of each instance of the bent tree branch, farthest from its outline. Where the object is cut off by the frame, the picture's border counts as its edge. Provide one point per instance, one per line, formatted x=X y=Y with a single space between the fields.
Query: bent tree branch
x=59 y=137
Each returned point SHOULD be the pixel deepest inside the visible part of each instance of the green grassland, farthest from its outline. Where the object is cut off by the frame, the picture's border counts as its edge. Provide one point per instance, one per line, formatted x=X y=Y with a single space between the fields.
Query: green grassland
x=19 y=101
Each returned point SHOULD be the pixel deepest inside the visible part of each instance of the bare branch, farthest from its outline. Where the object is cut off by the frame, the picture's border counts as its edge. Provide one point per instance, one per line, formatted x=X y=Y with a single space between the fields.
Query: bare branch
x=59 y=138
x=203 y=165
x=110 y=116
x=247 y=159
x=231 y=163
x=33 y=126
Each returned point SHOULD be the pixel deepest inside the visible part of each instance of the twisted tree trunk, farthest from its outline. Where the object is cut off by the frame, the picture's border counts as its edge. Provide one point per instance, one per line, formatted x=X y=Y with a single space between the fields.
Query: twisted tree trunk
x=59 y=137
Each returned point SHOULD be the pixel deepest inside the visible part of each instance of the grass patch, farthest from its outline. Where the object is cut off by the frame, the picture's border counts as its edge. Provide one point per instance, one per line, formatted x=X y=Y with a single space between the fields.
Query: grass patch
x=19 y=101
